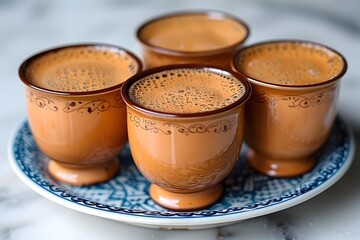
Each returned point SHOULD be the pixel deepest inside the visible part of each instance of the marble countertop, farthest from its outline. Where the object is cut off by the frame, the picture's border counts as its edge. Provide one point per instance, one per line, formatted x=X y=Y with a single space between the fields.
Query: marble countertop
x=27 y=27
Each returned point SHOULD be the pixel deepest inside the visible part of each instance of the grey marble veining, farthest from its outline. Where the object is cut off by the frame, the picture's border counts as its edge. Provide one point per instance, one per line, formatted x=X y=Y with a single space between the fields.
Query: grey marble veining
x=341 y=18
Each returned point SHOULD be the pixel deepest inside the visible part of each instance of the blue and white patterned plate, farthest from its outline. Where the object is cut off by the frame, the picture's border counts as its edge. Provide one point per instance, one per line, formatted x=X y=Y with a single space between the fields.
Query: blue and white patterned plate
x=247 y=194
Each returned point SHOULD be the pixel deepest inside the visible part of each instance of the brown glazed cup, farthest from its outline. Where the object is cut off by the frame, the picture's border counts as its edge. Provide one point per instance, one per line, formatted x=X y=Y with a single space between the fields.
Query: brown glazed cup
x=185 y=155
x=294 y=103
x=210 y=37
x=75 y=110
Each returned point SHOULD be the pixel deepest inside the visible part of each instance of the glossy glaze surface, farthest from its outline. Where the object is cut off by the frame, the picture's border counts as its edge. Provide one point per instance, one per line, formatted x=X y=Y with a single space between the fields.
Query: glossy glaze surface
x=185 y=155
x=82 y=130
x=287 y=123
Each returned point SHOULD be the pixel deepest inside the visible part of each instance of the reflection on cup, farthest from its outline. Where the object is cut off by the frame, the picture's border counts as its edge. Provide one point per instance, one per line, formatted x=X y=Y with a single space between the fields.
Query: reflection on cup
x=75 y=110
x=185 y=127
x=209 y=37
x=294 y=103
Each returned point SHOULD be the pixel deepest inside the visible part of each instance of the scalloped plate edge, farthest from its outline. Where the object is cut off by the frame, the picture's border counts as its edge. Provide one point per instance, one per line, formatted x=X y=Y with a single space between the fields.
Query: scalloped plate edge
x=181 y=223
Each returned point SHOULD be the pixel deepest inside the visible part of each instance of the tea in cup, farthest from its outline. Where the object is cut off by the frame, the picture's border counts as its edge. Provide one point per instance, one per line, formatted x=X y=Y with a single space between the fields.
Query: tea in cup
x=210 y=37
x=185 y=128
x=75 y=110
x=294 y=103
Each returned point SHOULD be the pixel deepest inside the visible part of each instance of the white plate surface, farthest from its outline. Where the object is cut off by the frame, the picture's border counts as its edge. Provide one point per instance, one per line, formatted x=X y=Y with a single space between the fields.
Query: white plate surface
x=125 y=198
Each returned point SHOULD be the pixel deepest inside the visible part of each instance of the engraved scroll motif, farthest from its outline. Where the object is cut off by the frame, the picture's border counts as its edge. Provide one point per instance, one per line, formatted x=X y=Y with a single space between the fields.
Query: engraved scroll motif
x=93 y=106
x=216 y=127
x=90 y=107
x=43 y=102
x=146 y=125
x=297 y=101
x=78 y=106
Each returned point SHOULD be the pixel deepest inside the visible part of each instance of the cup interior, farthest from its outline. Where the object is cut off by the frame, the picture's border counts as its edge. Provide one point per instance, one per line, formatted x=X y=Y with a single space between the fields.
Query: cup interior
x=186 y=90
x=193 y=32
x=79 y=69
x=290 y=63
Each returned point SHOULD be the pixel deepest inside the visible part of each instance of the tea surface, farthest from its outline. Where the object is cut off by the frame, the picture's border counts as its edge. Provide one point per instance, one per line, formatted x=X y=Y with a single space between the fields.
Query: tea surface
x=290 y=63
x=194 y=33
x=187 y=91
x=81 y=69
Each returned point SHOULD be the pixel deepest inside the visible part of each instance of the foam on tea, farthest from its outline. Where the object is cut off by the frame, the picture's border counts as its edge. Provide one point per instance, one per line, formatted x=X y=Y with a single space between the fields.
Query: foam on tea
x=81 y=69
x=290 y=63
x=194 y=33
x=187 y=91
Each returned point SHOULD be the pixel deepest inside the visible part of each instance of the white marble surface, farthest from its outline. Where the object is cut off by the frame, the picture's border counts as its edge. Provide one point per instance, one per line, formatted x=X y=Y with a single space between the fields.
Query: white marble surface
x=27 y=27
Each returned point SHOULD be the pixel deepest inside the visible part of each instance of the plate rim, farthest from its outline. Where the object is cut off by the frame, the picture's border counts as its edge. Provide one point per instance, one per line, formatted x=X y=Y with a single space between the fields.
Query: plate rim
x=181 y=222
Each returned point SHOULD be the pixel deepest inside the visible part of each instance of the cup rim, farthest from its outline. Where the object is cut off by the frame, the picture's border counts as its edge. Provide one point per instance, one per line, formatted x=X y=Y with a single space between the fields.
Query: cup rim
x=208 y=13
x=35 y=56
x=235 y=65
x=129 y=102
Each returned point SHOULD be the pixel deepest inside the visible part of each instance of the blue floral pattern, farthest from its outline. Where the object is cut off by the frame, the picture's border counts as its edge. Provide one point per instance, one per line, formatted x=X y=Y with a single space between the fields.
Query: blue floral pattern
x=127 y=193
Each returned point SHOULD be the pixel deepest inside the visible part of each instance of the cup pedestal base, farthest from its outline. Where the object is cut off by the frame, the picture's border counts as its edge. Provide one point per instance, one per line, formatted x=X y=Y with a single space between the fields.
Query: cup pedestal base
x=280 y=167
x=185 y=201
x=83 y=176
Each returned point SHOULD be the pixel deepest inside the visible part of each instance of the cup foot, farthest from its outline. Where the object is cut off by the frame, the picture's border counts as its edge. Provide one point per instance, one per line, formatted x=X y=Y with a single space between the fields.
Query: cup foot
x=83 y=176
x=280 y=167
x=185 y=201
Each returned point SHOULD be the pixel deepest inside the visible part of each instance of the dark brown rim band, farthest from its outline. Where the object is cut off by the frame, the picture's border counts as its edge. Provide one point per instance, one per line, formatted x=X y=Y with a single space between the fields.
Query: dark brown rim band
x=235 y=64
x=27 y=82
x=208 y=13
x=129 y=102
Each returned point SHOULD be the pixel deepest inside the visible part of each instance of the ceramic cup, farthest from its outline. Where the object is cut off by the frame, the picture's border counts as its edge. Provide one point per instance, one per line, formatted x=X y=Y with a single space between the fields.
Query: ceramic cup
x=294 y=103
x=185 y=127
x=75 y=110
x=210 y=37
